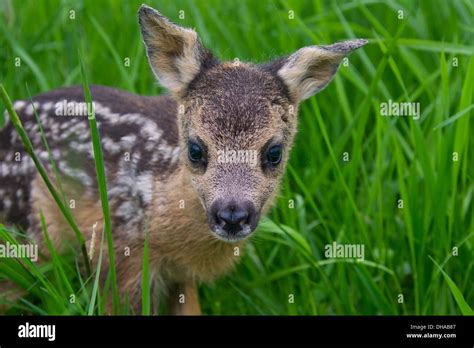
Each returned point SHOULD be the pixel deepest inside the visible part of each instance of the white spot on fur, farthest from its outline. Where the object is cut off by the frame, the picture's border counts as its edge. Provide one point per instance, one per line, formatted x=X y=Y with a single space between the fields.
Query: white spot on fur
x=47 y=106
x=19 y=105
x=168 y=152
x=16 y=168
x=131 y=213
x=128 y=141
x=110 y=146
x=75 y=173
x=6 y=117
x=4 y=169
x=30 y=110
x=144 y=184
x=7 y=202
x=126 y=210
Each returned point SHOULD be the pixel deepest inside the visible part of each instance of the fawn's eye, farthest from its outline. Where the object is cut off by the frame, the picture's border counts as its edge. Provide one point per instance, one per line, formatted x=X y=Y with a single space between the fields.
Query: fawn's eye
x=195 y=152
x=274 y=155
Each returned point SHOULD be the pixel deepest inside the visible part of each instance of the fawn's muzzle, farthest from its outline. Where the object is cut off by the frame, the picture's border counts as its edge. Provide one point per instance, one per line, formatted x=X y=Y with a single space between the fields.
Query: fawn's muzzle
x=232 y=221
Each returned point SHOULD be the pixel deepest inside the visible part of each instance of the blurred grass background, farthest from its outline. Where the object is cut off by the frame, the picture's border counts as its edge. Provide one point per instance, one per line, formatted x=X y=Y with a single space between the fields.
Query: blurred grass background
x=421 y=54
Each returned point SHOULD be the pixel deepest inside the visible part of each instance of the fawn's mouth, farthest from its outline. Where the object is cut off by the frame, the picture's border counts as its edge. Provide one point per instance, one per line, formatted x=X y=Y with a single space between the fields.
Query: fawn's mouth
x=231 y=236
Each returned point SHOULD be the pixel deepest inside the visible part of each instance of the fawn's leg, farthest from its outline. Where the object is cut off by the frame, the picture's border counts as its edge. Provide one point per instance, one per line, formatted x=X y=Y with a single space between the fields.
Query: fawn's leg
x=184 y=299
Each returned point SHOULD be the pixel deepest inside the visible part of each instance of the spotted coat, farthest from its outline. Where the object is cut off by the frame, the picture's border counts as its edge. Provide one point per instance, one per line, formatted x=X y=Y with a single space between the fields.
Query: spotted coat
x=139 y=144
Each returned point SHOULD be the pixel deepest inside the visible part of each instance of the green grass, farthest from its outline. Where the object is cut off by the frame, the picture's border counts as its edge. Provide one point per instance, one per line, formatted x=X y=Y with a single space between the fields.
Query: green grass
x=408 y=250
x=102 y=184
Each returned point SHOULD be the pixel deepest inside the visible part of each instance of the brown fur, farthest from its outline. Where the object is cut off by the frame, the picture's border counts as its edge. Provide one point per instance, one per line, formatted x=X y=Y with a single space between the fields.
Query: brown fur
x=87 y=213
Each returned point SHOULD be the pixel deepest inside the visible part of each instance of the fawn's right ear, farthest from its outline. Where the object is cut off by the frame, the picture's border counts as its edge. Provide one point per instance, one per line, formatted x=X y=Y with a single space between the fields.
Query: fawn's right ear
x=176 y=54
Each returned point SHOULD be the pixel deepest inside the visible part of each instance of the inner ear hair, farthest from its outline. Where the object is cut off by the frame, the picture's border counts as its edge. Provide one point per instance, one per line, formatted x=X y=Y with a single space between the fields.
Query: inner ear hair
x=176 y=55
x=311 y=68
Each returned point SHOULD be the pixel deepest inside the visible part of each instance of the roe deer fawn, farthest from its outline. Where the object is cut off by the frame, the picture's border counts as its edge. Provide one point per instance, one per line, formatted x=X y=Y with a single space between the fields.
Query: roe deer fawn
x=199 y=166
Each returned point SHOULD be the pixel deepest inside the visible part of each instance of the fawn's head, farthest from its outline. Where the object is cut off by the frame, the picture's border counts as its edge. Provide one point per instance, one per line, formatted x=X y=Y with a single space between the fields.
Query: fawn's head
x=237 y=121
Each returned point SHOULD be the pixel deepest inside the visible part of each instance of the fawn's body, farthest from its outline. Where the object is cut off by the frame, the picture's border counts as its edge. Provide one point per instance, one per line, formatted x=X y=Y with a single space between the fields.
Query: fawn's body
x=163 y=159
x=145 y=183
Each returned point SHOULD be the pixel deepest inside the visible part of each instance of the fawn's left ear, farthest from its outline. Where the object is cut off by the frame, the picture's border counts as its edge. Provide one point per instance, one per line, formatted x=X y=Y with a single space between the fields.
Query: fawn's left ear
x=176 y=54
x=310 y=69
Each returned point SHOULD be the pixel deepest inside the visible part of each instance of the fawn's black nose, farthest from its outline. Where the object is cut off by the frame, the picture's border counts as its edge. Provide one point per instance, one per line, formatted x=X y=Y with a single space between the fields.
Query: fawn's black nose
x=232 y=217
x=233 y=220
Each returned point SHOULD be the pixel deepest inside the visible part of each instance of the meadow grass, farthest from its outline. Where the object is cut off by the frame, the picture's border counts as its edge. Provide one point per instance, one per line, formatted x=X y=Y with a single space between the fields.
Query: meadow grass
x=424 y=57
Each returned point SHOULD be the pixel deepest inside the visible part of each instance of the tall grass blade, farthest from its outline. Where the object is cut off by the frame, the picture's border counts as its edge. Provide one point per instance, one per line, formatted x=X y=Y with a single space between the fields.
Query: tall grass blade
x=102 y=185
x=463 y=305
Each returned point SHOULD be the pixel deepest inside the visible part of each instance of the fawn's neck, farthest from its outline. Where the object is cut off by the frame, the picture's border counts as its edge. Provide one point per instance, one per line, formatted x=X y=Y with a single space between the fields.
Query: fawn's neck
x=179 y=233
